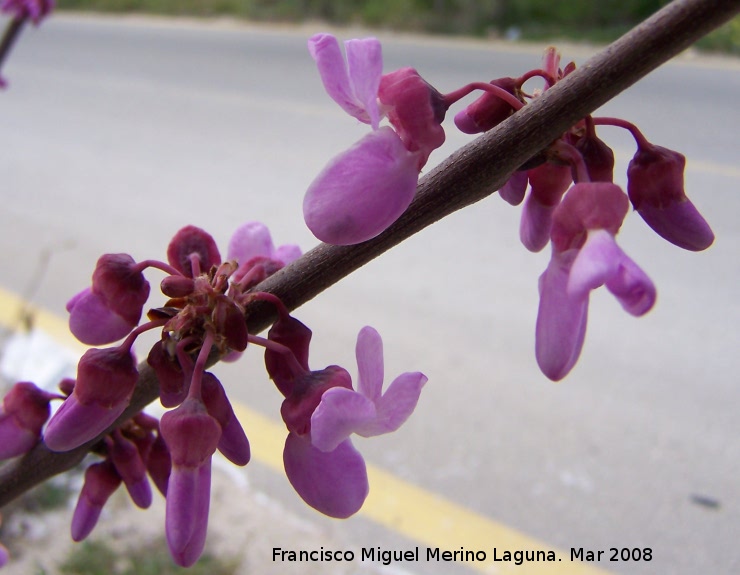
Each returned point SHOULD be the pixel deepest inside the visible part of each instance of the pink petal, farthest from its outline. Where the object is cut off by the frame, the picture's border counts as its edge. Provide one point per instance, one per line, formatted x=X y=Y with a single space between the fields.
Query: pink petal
x=561 y=319
x=186 y=518
x=14 y=439
x=396 y=405
x=249 y=241
x=325 y=50
x=365 y=63
x=596 y=262
x=340 y=413
x=362 y=191
x=334 y=483
x=369 y=354
x=632 y=287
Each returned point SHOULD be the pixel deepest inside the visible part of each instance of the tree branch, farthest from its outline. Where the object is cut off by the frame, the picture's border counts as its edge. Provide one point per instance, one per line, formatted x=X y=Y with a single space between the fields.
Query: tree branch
x=467 y=176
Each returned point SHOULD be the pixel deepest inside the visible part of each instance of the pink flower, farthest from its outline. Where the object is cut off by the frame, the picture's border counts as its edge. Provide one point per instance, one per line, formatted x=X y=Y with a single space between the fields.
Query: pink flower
x=584 y=256
x=362 y=191
x=251 y=246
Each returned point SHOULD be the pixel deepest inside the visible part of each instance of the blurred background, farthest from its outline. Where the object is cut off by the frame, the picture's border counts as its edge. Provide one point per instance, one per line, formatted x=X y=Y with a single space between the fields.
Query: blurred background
x=121 y=128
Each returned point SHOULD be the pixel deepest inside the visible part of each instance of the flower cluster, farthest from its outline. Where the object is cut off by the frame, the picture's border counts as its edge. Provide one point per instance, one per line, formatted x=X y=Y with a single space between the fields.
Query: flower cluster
x=203 y=316
x=572 y=203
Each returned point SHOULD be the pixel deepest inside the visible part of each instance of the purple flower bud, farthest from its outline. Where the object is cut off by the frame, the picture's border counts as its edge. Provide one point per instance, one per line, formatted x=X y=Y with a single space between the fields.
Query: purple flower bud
x=549 y=182
x=362 y=191
x=656 y=190
x=193 y=243
x=101 y=481
x=233 y=444
x=130 y=467
x=105 y=381
x=488 y=110
x=599 y=157
x=191 y=433
x=177 y=286
x=24 y=411
x=121 y=284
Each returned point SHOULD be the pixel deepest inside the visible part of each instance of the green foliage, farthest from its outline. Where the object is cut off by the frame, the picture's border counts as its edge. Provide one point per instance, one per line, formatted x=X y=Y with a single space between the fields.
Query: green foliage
x=724 y=39
x=600 y=21
x=99 y=558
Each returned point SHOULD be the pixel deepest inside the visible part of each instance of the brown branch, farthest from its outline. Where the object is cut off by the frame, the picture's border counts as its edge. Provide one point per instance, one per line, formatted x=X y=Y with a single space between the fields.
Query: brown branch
x=469 y=175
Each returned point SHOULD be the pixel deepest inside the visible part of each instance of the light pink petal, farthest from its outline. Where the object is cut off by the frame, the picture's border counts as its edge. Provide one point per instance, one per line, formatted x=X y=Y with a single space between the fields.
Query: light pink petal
x=250 y=240
x=396 y=405
x=632 y=287
x=596 y=262
x=365 y=63
x=369 y=354
x=325 y=50
x=4 y=556
x=536 y=223
x=561 y=319
x=340 y=413
x=334 y=483
x=362 y=191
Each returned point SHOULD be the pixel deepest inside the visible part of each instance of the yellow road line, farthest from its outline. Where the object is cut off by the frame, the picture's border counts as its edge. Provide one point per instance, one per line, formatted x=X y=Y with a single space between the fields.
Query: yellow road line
x=407 y=509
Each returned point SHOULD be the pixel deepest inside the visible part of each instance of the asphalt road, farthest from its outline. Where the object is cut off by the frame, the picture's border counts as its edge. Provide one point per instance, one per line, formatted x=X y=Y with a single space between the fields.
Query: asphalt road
x=118 y=133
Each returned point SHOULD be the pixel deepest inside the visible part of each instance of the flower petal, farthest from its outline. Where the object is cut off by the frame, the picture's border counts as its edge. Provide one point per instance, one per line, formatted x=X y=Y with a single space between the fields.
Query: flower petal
x=325 y=50
x=597 y=261
x=561 y=319
x=250 y=240
x=334 y=483
x=186 y=519
x=680 y=223
x=369 y=354
x=340 y=413
x=632 y=287
x=396 y=405
x=365 y=64
x=75 y=423
x=362 y=191
x=92 y=322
